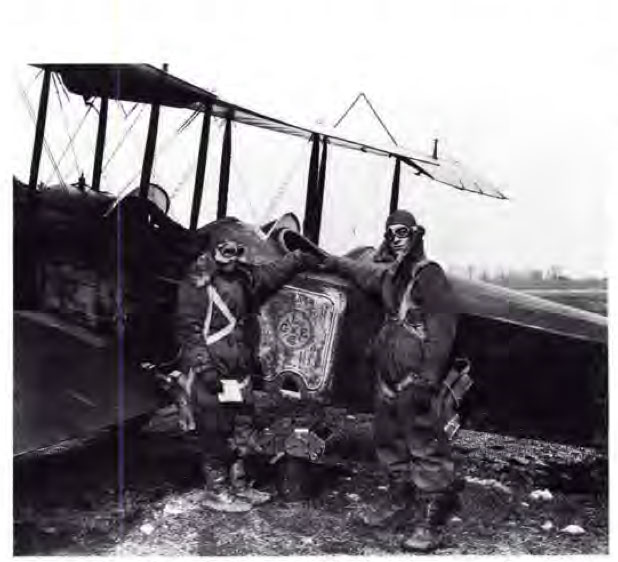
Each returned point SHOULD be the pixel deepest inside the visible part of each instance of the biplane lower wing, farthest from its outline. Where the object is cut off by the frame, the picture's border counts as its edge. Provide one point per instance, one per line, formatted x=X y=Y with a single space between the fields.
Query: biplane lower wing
x=70 y=383
x=490 y=301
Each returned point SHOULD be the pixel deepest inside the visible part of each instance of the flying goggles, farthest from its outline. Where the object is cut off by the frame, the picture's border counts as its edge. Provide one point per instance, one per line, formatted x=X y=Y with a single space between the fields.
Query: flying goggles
x=399 y=231
x=228 y=251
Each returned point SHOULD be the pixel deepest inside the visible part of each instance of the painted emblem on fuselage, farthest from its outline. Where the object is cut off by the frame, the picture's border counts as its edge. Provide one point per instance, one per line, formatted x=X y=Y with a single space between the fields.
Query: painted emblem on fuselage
x=295 y=329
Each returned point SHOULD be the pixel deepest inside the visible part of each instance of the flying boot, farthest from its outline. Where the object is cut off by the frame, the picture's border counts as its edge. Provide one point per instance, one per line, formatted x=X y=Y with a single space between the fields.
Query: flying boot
x=428 y=534
x=241 y=486
x=218 y=496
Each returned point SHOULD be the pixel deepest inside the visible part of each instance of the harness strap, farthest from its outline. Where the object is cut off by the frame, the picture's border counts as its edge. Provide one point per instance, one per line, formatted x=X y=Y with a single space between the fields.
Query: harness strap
x=386 y=390
x=406 y=301
x=457 y=382
x=189 y=384
x=214 y=299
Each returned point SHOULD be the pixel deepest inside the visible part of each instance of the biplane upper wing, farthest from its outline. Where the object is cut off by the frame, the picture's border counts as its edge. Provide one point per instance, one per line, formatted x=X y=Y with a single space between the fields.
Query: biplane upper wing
x=139 y=83
x=144 y=83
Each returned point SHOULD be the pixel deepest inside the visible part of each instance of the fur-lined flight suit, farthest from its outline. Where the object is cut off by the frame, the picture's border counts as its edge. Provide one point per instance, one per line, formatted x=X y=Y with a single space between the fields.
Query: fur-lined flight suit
x=218 y=329
x=411 y=355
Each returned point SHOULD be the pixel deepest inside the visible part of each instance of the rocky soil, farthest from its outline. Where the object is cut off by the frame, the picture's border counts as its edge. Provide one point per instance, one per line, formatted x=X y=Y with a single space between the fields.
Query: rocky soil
x=521 y=497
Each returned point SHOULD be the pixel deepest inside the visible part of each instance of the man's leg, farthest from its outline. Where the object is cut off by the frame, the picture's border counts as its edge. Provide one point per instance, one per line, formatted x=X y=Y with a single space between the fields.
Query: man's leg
x=214 y=426
x=243 y=445
x=432 y=468
x=392 y=453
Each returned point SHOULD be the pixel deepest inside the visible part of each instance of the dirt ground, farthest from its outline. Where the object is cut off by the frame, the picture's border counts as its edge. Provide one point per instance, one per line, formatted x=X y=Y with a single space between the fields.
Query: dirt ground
x=87 y=499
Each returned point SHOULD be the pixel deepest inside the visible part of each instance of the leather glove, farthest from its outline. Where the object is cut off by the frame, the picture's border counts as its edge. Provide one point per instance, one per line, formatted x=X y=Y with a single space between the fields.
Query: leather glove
x=329 y=264
x=310 y=260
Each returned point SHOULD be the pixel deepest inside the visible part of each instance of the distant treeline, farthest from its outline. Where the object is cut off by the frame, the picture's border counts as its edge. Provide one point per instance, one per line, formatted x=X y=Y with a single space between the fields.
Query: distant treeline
x=587 y=293
x=522 y=282
x=553 y=278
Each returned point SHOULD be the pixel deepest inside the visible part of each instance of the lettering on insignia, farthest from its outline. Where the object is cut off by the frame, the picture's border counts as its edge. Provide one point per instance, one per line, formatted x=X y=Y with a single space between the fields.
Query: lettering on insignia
x=295 y=330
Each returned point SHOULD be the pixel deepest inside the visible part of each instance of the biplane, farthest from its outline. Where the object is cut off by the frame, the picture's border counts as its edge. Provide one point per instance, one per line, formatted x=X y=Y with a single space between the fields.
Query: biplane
x=96 y=275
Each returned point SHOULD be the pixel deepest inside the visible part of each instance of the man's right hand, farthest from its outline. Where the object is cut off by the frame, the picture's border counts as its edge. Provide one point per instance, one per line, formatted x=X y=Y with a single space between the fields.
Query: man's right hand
x=329 y=264
x=312 y=261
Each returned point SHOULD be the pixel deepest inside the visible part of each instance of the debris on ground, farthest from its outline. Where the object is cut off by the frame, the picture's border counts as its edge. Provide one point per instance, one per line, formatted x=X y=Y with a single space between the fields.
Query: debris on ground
x=172 y=510
x=178 y=506
x=544 y=495
x=147 y=529
x=489 y=483
x=160 y=509
x=573 y=530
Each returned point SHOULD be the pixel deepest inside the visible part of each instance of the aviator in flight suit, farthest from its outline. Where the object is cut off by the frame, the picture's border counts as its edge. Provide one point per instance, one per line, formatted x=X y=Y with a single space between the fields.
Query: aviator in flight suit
x=411 y=355
x=217 y=327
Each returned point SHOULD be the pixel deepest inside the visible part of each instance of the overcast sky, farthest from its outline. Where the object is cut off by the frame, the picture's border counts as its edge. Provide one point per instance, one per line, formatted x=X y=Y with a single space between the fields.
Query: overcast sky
x=522 y=92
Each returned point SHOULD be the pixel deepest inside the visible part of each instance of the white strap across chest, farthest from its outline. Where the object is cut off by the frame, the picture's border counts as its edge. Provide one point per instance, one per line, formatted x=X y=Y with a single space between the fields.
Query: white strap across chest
x=406 y=300
x=214 y=299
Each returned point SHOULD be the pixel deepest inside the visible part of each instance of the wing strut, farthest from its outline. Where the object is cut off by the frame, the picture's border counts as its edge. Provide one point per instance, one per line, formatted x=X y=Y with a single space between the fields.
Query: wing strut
x=200 y=172
x=224 y=171
x=151 y=143
x=149 y=151
x=100 y=146
x=310 y=220
x=321 y=185
x=395 y=187
x=39 y=135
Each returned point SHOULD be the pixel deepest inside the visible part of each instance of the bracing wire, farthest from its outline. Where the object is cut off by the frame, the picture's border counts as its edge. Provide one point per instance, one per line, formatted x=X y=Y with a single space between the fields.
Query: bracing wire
x=126 y=115
x=124 y=137
x=188 y=121
x=246 y=189
x=64 y=90
x=183 y=179
x=65 y=122
x=373 y=110
x=33 y=81
x=166 y=144
x=72 y=138
x=131 y=110
x=345 y=113
x=283 y=186
x=45 y=144
x=377 y=116
x=128 y=184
